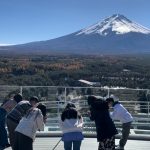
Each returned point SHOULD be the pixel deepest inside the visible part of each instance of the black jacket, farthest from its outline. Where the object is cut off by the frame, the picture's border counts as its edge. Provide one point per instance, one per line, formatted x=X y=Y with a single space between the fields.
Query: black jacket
x=105 y=127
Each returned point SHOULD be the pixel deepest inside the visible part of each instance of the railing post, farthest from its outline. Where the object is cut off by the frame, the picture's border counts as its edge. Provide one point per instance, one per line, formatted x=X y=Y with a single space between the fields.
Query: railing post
x=21 y=90
x=65 y=95
x=108 y=92
x=148 y=109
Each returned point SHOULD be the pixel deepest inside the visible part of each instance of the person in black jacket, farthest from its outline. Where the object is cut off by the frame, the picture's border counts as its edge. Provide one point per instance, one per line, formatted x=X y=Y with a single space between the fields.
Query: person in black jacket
x=105 y=127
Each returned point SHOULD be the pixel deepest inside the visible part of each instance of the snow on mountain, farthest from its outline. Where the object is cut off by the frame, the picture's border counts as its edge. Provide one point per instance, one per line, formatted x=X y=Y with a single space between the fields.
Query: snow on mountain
x=116 y=23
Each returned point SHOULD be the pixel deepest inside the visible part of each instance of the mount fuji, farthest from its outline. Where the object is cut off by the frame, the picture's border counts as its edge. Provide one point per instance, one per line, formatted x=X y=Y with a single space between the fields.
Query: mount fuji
x=114 y=35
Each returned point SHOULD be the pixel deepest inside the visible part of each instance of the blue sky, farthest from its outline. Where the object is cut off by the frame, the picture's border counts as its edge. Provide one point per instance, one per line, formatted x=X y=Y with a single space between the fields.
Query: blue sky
x=24 y=21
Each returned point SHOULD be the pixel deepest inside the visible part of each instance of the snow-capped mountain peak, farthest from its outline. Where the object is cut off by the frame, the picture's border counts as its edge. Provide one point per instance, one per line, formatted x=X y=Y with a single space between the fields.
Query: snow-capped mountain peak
x=115 y=24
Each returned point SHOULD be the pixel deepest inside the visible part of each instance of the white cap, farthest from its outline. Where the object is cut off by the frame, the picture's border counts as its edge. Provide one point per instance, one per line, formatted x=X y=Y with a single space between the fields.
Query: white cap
x=114 y=97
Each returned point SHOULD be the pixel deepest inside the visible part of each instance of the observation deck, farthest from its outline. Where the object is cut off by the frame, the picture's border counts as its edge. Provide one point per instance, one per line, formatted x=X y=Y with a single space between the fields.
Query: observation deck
x=48 y=143
x=137 y=101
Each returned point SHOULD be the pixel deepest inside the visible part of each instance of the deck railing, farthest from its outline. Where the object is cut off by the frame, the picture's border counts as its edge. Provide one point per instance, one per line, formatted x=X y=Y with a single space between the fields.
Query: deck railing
x=137 y=101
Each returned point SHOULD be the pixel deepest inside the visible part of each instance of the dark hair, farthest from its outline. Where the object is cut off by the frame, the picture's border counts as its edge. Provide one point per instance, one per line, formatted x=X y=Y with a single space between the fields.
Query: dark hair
x=42 y=107
x=70 y=105
x=70 y=112
x=97 y=103
x=34 y=98
x=110 y=99
x=91 y=99
x=18 y=97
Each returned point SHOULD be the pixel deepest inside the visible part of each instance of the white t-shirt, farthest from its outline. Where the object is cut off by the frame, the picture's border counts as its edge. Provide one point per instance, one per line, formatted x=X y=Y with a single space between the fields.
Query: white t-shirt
x=120 y=113
x=71 y=125
x=30 y=123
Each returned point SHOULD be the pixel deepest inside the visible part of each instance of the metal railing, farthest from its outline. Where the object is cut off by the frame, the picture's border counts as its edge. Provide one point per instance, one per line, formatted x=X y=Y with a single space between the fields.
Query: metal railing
x=137 y=101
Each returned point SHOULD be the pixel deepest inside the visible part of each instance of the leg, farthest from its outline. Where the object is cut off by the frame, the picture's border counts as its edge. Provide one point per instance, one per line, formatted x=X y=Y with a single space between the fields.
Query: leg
x=16 y=143
x=107 y=144
x=3 y=132
x=22 y=142
x=110 y=143
x=101 y=145
x=68 y=145
x=76 y=145
x=125 y=134
x=11 y=130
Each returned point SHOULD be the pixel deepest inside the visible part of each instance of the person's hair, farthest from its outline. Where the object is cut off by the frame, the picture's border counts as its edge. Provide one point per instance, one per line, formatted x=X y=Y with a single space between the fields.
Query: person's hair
x=34 y=98
x=98 y=104
x=90 y=99
x=70 y=105
x=42 y=107
x=18 y=97
x=70 y=112
x=110 y=99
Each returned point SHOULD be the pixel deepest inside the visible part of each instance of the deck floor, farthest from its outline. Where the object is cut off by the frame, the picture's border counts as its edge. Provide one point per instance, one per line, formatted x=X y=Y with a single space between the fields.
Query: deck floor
x=45 y=143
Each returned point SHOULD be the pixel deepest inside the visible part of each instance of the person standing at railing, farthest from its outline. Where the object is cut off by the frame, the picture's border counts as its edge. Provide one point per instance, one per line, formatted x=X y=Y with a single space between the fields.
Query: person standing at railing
x=105 y=127
x=5 y=108
x=17 y=113
x=120 y=113
x=25 y=131
x=71 y=124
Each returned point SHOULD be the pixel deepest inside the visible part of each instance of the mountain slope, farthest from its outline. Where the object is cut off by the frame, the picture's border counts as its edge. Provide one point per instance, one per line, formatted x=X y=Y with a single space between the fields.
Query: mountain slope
x=114 y=35
x=117 y=24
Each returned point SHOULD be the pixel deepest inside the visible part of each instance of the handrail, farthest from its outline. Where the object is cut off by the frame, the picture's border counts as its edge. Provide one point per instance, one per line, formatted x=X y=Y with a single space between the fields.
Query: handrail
x=129 y=98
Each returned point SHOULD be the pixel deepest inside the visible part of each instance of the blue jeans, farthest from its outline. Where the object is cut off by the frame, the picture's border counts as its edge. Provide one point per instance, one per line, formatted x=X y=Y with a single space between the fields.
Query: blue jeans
x=3 y=132
x=68 y=145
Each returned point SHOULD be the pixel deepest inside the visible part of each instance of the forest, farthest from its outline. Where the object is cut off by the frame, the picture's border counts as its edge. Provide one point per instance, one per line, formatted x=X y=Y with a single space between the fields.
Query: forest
x=65 y=70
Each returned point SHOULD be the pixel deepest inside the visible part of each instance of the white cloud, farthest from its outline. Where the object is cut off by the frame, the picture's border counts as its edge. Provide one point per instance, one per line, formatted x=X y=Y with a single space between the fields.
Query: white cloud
x=2 y=44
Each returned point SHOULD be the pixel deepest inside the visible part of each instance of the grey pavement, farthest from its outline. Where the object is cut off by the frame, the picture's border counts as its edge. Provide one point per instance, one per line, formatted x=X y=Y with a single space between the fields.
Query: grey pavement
x=47 y=143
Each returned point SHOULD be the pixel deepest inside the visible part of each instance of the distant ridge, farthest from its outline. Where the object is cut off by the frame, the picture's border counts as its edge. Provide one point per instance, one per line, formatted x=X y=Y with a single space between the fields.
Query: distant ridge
x=114 y=35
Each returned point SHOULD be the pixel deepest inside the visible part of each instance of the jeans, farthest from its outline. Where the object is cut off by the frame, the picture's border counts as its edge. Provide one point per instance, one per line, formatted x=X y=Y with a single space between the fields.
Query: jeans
x=3 y=132
x=68 y=145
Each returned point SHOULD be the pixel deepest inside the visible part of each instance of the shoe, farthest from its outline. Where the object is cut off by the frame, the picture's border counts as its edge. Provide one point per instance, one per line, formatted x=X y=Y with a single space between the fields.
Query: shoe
x=119 y=148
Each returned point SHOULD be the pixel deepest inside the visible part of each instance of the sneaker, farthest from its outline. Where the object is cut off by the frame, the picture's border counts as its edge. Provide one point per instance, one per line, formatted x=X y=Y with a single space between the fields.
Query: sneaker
x=119 y=148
